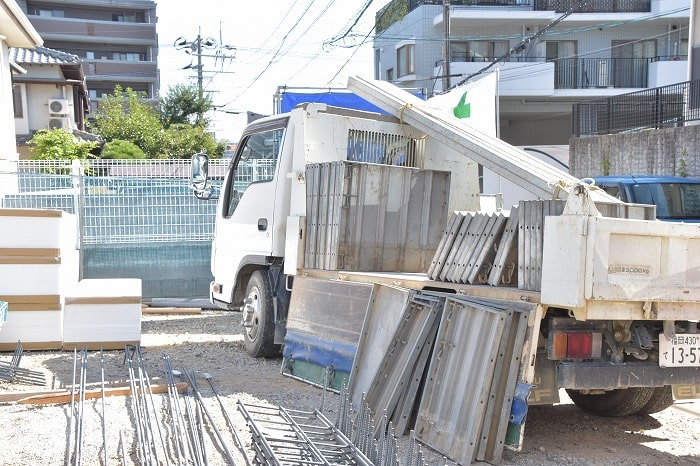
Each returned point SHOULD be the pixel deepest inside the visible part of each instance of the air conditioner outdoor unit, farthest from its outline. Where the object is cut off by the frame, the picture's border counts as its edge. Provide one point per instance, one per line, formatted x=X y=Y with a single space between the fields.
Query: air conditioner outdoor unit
x=58 y=107
x=59 y=123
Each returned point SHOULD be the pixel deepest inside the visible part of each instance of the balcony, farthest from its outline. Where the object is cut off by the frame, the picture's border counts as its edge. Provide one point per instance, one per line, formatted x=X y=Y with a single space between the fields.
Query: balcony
x=594 y=6
x=82 y=31
x=538 y=75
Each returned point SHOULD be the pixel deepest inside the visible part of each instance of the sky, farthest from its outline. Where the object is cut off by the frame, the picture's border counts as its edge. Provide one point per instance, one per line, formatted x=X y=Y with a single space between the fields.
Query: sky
x=261 y=45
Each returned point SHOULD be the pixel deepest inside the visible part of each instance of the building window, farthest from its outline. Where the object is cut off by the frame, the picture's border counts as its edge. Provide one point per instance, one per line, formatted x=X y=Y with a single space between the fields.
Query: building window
x=478 y=50
x=52 y=13
x=390 y=74
x=90 y=55
x=405 y=60
x=129 y=17
x=17 y=100
x=127 y=56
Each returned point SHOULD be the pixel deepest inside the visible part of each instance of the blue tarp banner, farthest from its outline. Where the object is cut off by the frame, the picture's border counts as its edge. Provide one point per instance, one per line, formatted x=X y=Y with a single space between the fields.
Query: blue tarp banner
x=289 y=100
x=319 y=351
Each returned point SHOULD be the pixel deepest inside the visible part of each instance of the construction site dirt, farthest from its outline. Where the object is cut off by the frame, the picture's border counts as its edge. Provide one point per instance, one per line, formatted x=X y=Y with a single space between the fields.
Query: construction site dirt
x=207 y=348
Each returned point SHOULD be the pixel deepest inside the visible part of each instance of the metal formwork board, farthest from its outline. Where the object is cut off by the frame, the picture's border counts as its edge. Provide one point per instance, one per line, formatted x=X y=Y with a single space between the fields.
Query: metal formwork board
x=459 y=380
x=456 y=246
x=399 y=362
x=507 y=253
x=498 y=409
x=374 y=217
x=407 y=407
x=485 y=251
x=386 y=309
x=324 y=197
x=530 y=240
x=467 y=246
x=475 y=247
x=446 y=243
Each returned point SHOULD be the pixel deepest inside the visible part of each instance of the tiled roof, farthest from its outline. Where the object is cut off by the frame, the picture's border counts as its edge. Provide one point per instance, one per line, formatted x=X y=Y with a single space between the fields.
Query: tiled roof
x=43 y=56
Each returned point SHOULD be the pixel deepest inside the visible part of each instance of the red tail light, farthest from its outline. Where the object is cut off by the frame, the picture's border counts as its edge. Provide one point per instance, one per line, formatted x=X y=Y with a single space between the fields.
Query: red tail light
x=575 y=345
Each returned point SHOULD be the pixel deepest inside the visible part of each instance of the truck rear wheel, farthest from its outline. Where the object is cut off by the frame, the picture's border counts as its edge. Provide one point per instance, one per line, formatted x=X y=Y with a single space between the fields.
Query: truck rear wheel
x=613 y=403
x=661 y=398
x=259 y=318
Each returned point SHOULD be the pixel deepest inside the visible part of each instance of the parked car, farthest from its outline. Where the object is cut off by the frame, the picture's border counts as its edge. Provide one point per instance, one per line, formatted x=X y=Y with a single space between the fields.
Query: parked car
x=676 y=199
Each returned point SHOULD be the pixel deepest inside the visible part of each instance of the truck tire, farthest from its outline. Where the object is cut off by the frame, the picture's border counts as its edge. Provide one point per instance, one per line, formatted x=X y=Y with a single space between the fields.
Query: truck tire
x=259 y=334
x=613 y=403
x=661 y=398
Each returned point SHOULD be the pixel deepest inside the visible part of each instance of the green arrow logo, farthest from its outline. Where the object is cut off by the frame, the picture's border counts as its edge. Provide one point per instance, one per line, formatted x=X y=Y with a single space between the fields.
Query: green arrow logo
x=463 y=109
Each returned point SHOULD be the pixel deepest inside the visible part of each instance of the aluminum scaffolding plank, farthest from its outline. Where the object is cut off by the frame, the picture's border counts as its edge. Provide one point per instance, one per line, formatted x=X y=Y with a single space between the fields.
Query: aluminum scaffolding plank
x=516 y=165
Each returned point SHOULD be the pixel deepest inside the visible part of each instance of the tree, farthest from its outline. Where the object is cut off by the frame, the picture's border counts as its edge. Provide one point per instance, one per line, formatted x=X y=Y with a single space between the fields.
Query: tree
x=183 y=140
x=182 y=105
x=127 y=116
x=57 y=144
x=119 y=149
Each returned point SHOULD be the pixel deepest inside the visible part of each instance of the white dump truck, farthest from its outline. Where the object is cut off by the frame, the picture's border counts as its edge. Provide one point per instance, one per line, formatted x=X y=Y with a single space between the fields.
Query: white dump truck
x=336 y=230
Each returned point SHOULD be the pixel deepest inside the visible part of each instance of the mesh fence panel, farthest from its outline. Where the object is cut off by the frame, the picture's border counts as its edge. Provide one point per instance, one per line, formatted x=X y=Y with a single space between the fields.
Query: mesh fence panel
x=117 y=201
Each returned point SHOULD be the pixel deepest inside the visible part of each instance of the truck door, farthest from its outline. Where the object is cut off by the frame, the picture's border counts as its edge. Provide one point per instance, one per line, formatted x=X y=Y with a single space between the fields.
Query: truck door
x=245 y=216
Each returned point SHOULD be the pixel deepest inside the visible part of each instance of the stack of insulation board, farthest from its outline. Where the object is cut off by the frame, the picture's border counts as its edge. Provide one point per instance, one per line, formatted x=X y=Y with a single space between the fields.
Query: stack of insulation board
x=103 y=314
x=38 y=264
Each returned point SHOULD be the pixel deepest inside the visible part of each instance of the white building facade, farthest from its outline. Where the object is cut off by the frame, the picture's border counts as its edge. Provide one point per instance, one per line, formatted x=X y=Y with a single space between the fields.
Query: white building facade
x=551 y=53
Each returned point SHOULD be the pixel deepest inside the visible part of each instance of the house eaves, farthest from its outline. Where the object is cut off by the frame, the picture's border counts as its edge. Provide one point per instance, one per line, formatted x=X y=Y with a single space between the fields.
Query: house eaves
x=71 y=66
x=16 y=28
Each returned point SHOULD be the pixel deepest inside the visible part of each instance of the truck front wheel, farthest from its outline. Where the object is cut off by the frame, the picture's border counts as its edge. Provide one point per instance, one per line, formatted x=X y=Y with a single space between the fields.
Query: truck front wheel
x=259 y=318
x=613 y=403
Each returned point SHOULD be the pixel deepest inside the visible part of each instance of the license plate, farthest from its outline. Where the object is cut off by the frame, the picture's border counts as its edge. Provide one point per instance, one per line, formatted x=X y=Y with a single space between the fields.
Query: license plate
x=683 y=350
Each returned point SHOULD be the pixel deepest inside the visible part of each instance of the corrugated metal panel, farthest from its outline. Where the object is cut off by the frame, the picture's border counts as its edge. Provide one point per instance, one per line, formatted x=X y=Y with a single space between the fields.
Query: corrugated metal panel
x=367 y=217
x=465 y=407
x=410 y=344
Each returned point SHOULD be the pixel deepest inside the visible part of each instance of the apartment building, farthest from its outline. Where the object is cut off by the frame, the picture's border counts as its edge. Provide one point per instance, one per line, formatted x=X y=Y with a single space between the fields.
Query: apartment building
x=550 y=53
x=116 y=40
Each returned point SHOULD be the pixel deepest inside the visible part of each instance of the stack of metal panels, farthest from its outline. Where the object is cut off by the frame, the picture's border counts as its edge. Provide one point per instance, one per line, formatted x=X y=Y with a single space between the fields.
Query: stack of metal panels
x=391 y=387
x=531 y=239
x=472 y=379
x=468 y=247
x=371 y=217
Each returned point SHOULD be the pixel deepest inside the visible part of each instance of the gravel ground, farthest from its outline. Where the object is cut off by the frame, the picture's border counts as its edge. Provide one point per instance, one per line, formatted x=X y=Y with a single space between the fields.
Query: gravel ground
x=212 y=343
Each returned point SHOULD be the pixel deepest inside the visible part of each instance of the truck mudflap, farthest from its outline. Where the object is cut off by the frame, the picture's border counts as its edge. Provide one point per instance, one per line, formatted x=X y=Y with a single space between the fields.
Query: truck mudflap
x=588 y=375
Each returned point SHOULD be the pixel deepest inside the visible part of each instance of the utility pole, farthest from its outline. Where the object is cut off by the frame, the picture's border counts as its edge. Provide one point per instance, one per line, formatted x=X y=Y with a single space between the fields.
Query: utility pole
x=197 y=48
x=200 y=74
x=446 y=49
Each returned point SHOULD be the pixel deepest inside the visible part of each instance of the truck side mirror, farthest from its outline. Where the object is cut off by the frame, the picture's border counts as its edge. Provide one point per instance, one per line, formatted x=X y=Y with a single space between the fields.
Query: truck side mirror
x=199 y=172
x=199 y=175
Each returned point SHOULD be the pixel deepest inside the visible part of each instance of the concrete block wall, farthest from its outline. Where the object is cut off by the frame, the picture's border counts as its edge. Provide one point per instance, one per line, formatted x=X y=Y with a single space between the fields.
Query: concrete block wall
x=670 y=151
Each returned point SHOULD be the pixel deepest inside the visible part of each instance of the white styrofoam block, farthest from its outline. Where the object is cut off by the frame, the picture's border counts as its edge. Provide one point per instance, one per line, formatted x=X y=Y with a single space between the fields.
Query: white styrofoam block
x=35 y=329
x=34 y=228
x=103 y=311
x=33 y=279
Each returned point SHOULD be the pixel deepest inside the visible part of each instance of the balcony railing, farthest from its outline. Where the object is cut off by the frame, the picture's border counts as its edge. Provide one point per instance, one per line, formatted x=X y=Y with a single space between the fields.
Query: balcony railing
x=661 y=107
x=594 y=6
x=585 y=73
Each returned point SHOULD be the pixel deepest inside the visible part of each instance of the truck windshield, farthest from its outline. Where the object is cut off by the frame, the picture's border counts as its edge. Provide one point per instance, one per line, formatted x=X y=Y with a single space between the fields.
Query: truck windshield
x=673 y=200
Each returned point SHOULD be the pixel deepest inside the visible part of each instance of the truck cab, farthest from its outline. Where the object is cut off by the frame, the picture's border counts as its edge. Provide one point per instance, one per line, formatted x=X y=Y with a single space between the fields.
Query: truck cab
x=676 y=199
